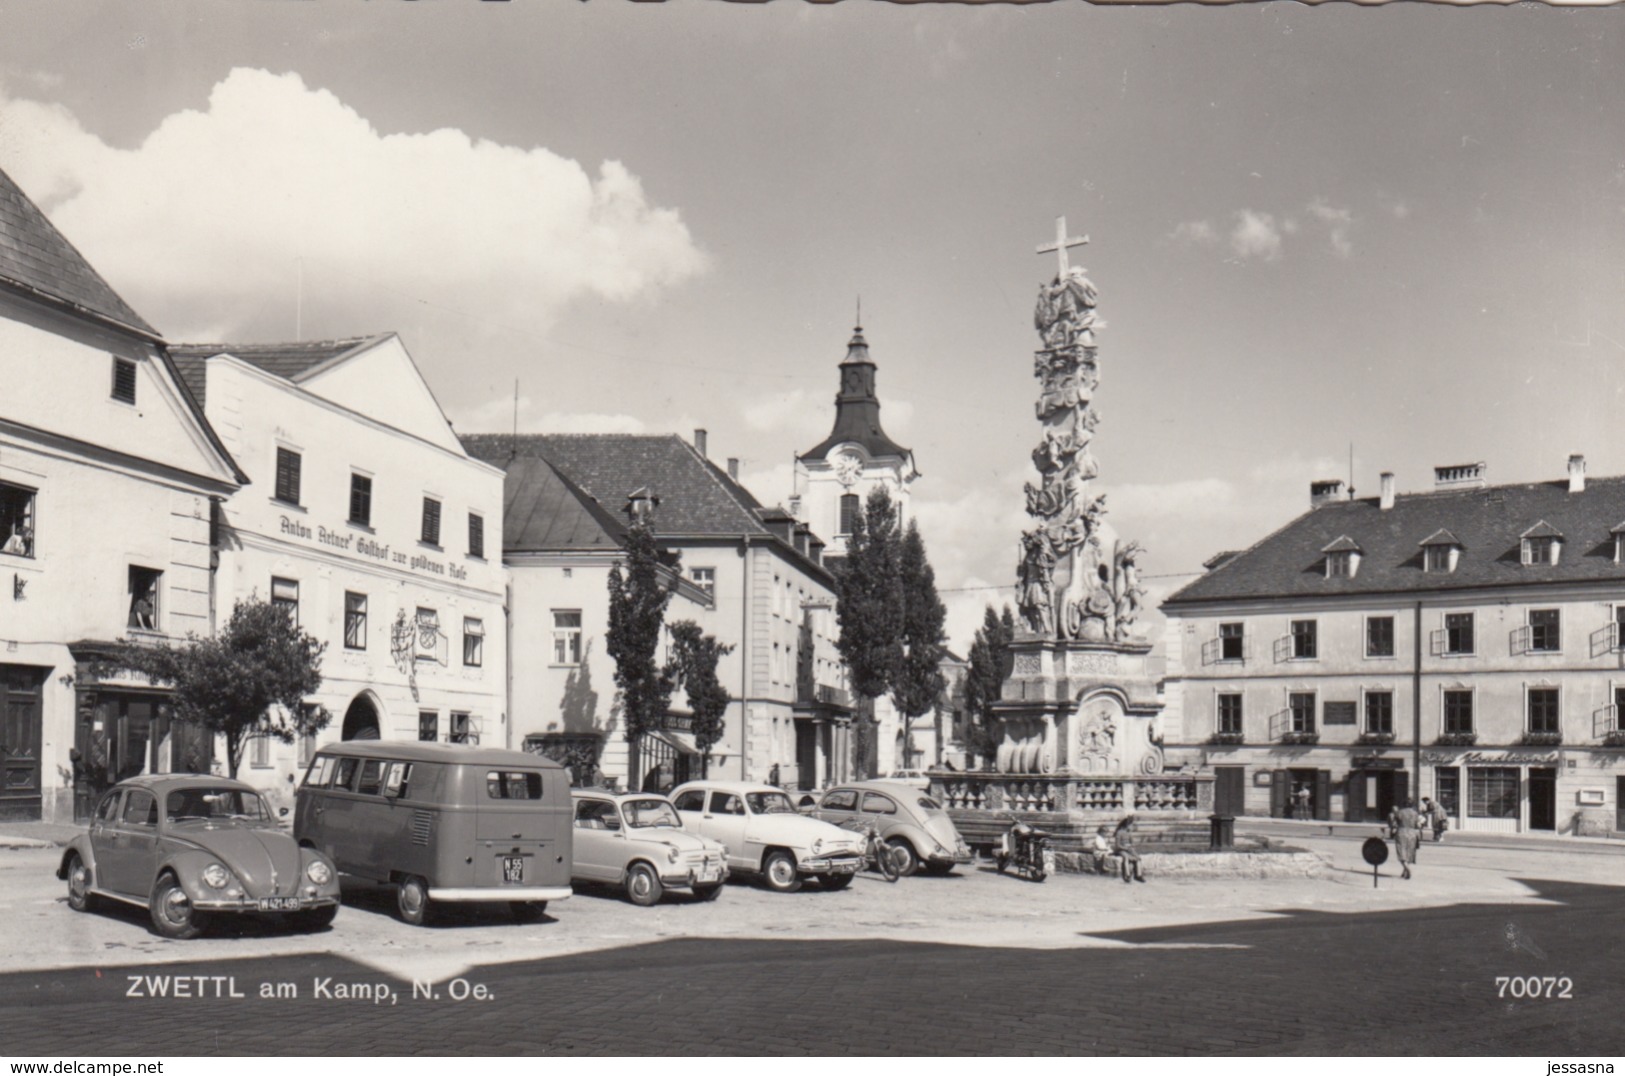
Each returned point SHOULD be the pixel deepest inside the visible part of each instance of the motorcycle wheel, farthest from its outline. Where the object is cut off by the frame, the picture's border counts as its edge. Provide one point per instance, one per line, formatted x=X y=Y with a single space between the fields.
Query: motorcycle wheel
x=1002 y=861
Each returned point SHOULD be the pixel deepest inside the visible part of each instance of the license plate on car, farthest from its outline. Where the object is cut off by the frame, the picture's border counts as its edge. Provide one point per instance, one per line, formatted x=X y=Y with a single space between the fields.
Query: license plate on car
x=709 y=874
x=279 y=904
x=513 y=870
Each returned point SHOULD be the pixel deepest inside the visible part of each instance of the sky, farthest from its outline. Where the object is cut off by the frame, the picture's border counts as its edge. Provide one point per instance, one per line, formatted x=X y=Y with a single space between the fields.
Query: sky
x=1392 y=233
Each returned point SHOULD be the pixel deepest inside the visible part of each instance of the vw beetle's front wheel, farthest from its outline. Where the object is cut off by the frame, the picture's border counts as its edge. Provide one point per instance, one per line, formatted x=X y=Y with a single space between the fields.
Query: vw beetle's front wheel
x=172 y=913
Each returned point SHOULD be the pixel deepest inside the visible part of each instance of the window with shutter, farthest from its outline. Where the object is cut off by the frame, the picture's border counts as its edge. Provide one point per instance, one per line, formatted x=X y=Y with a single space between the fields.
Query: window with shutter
x=287 y=476
x=476 y=535
x=361 y=500
x=431 y=522
x=123 y=380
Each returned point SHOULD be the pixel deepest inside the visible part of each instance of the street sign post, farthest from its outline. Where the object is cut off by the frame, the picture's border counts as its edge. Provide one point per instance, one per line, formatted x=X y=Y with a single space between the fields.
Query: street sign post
x=1375 y=851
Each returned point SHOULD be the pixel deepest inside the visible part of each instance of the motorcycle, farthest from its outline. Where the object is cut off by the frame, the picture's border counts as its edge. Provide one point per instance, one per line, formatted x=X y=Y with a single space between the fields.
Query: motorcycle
x=1028 y=850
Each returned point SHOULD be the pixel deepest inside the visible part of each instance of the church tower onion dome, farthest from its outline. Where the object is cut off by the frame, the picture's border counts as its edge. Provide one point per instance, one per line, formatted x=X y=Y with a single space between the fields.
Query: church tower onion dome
x=857 y=409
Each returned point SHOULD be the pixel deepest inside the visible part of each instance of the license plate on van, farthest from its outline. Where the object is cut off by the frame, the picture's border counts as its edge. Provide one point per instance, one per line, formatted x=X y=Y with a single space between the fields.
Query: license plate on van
x=513 y=870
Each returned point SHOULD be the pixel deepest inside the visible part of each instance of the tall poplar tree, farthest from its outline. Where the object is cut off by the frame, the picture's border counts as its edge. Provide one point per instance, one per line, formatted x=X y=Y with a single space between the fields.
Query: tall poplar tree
x=917 y=679
x=869 y=608
x=637 y=610
x=989 y=666
x=692 y=666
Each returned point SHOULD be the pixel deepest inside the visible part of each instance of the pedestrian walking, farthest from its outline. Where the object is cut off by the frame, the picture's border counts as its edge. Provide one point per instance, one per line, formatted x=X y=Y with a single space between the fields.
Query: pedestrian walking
x=1123 y=844
x=1406 y=827
x=1435 y=817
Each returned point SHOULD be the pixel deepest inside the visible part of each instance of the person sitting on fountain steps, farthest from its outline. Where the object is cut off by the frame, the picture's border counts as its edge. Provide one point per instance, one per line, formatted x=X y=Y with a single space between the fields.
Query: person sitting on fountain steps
x=1123 y=842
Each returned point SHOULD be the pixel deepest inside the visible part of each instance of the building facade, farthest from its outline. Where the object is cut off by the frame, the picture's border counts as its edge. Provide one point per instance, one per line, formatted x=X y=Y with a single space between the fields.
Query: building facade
x=108 y=480
x=370 y=523
x=833 y=479
x=1466 y=644
x=752 y=577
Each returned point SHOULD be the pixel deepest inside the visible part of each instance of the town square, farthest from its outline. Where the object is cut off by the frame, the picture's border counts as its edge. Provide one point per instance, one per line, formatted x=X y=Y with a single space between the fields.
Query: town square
x=558 y=530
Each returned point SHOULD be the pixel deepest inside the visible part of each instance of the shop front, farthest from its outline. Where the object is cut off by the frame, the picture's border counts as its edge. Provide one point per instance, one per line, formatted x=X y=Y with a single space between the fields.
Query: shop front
x=1497 y=791
x=1374 y=787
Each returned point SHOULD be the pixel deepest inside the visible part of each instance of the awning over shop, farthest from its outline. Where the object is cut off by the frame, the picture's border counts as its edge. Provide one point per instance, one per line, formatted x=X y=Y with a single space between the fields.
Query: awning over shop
x=682 y=741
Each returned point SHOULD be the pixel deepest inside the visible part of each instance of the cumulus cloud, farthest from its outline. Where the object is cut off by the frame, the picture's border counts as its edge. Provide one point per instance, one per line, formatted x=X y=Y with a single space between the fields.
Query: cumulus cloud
x=1337 y=222
x=1255 y=235
x=215 y=207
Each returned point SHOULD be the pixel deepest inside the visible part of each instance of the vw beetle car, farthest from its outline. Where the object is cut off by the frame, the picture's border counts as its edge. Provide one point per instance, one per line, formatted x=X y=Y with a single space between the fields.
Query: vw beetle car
x=906 y=817
x=765 y=835
x=190 y=846
x=636 y=841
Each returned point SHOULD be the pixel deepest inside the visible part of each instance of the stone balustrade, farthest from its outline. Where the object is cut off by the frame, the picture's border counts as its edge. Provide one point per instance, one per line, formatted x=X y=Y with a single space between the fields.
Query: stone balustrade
x=1062 y=793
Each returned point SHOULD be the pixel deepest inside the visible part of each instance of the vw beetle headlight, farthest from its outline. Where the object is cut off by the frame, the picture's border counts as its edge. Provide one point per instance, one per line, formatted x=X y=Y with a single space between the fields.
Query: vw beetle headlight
x=216 y=876
x=318 y=872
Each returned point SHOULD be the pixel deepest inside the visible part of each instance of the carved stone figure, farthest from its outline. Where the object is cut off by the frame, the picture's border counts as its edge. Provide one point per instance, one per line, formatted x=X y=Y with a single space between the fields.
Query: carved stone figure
x=1129 y=594
x=1036 y=583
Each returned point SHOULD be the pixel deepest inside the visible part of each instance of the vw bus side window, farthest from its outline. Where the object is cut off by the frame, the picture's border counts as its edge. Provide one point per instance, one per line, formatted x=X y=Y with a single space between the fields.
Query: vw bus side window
x=372 y=777
x=513 y=785
x=320 y=772
x=396 y=778
x=345 y=774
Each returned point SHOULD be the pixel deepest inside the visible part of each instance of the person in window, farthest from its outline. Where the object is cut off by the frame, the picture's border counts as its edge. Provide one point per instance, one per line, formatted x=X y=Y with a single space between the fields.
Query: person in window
x=1406 y=825
x=1123 y=845
x=17 y=543
x=141 y=613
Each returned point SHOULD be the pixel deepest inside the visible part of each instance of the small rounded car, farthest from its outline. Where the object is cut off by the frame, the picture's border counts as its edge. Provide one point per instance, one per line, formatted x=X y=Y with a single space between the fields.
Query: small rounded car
x=636 y=841
x=766 y=836
x=191 y=846
x=906 y=817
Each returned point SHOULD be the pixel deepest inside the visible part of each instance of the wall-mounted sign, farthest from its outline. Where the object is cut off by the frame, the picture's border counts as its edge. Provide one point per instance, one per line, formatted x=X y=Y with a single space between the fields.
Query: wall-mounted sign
x=363 y=546
x=1340 y=713
x=1509 y=757
x=1592 y=797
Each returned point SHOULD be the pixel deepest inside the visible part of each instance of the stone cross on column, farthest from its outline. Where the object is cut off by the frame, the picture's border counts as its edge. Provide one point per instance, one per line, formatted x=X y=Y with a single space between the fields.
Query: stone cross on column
x=1062 y=242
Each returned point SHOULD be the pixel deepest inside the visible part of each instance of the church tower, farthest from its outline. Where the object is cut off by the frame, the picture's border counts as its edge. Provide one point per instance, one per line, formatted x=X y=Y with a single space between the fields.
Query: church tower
x=834 y=477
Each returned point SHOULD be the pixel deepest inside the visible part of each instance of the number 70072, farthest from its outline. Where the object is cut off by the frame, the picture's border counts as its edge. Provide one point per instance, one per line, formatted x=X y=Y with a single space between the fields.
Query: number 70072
x=1535 y=986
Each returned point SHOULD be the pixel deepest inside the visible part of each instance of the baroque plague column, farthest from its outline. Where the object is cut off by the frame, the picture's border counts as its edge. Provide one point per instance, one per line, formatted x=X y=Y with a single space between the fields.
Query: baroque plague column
x=1080 y=699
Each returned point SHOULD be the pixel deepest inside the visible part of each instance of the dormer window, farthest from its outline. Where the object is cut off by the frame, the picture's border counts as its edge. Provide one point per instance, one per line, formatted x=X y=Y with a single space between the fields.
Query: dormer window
x=1342 y=558
x=1619 y=543
x=1542 y=544
x=1441 y=552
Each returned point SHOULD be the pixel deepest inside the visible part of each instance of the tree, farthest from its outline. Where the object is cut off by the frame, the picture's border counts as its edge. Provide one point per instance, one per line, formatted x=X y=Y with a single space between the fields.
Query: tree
x=989 y=666
x=637 y=610
x=917 y=680
x=890 y=617
x=247 y=681
x=692 y=665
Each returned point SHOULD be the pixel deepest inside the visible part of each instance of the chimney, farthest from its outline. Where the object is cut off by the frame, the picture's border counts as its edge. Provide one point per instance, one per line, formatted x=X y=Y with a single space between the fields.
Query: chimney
x=1577 y=473
x=733 y=468
x=699 y=442
x=1387 y=501
x=1461 y=476
x=1326 y=491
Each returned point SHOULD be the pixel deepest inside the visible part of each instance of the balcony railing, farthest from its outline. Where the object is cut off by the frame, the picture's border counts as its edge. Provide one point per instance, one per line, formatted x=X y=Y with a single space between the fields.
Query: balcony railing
x=1535 y=738
x=1300 y=736
x=1457 y=739
x=1228 y=738
x=1376 y=738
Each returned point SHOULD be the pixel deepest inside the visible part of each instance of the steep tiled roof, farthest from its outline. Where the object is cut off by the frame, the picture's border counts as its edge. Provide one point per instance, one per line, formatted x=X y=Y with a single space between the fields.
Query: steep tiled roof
x=1486 y=523
x=696 y=497
x=290 y=361
x=542 y=511
x=37 y=258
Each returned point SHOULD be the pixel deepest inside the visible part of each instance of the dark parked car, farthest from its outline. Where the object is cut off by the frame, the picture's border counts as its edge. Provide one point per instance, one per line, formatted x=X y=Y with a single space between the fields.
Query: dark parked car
x=190 y=846
x=906 y=817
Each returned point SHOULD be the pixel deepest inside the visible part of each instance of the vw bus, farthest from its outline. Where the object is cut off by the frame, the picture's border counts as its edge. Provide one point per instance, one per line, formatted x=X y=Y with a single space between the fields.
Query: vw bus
x=441 y=823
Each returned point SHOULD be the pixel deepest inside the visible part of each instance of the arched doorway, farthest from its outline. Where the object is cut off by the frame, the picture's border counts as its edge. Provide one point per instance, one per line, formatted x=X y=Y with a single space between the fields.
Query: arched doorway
x=361 y=719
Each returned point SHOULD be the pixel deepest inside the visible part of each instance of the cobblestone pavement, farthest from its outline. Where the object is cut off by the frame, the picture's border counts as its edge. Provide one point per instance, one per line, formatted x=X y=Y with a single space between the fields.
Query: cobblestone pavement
x=1078 y=966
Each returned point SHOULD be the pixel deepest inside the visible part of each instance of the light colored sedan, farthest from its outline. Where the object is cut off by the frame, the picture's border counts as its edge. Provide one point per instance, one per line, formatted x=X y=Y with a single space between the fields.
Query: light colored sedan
x=637 y=841
x=765 y=834
x=907 y=818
